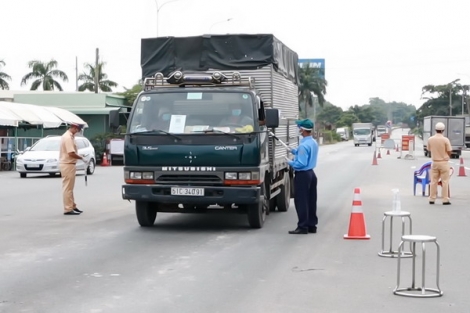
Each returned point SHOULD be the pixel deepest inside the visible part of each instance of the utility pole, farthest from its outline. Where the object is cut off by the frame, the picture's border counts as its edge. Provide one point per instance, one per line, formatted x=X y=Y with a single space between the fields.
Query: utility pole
x=96 y=70
x=451 y=85
x=463 y=99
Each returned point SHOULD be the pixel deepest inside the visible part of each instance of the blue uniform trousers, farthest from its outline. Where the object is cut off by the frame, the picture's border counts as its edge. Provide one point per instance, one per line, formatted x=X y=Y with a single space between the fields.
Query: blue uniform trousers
x=305 y=199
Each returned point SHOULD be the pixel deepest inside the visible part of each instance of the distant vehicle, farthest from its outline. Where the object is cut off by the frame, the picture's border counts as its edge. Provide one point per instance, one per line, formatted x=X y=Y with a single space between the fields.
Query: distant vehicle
x=343 y=132
x=455 y=131
x=381 y=129
x=363 y=134
x=43 y=157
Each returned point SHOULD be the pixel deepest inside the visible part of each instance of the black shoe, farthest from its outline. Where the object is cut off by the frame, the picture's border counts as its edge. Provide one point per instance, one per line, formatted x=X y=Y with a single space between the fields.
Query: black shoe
x=72 y=213
x=298 y=231
x=312 y=230
x=431 y=202
x=77 y=210
x=446 y=203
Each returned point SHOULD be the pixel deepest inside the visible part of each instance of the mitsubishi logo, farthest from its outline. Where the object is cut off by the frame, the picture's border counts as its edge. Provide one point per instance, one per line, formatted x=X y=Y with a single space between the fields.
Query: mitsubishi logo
x=191 y=157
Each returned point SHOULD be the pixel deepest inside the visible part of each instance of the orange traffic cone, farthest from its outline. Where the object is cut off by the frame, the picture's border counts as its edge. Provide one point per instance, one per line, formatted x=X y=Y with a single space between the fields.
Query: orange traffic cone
x=374 y=160
x=379 y=156
x=105 y=160
x=462 y=168
x=357 y=223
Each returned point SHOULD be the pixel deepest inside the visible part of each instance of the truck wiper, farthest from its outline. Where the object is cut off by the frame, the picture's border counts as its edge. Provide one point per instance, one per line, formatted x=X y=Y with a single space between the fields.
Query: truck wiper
x=150 y=132
x=211 y=130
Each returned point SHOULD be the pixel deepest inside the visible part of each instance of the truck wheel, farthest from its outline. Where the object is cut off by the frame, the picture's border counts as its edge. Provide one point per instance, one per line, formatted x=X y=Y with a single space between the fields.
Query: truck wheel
x=369 y=144
x=257 y=211
x=283 y=199
x=146 y=214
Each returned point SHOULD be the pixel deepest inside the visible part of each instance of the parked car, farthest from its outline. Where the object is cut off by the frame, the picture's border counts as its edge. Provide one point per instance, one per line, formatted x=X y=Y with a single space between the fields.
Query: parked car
x=43 y=157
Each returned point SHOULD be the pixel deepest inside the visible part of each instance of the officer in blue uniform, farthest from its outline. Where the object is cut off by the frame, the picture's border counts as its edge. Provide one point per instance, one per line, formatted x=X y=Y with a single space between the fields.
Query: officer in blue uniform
x=305 y=180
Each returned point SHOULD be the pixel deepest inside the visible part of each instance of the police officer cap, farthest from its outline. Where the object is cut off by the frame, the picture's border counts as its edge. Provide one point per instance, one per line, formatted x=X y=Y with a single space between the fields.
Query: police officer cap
x=440 y=126
x=305 y=124
x=79 y=126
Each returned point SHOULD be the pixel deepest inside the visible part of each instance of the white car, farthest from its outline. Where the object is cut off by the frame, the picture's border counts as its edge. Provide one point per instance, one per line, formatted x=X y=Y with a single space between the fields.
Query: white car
x=43 y=157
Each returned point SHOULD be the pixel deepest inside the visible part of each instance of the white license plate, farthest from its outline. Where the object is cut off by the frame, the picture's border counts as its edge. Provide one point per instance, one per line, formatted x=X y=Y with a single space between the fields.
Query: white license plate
x=34 y=165
x=195 y=192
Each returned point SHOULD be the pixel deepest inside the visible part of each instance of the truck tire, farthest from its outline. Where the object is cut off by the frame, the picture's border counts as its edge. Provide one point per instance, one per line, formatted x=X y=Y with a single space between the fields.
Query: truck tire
x=146 y=214
x=283 y=199
x=256 y=212
x=369 y=144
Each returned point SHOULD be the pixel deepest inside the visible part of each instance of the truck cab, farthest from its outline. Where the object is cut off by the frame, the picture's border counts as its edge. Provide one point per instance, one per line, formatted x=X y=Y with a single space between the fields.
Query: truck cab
x=363 y=134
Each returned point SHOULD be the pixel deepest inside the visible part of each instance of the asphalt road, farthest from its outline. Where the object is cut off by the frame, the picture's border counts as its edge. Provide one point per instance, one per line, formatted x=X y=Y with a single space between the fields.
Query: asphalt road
x=102 y=261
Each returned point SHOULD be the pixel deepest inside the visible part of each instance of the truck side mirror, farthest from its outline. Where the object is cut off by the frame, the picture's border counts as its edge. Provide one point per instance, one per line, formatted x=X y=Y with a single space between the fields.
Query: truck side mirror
x=272 y=118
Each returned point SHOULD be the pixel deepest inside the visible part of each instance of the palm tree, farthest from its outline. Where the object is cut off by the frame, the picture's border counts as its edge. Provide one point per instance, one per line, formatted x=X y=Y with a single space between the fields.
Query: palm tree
x=311 y=81
x=89 y=79
x=44 y=73
x=3 y=78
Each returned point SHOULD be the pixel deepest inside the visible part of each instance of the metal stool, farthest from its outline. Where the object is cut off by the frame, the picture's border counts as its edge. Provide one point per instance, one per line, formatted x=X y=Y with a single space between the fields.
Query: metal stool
x=391 y=253
x=423 y=291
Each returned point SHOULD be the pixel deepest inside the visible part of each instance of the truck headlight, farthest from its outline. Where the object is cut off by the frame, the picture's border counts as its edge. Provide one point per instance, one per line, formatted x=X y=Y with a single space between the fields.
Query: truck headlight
x=147 y=175
x=230 y=175
x=244 y=176
x=136 y=175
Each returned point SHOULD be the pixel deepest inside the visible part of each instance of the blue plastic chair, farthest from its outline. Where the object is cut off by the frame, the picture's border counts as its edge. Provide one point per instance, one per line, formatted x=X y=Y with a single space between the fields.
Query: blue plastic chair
x=421 y=176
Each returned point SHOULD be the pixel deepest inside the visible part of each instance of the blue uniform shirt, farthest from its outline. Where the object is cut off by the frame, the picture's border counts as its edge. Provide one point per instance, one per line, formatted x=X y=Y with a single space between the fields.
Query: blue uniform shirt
x=306 y=155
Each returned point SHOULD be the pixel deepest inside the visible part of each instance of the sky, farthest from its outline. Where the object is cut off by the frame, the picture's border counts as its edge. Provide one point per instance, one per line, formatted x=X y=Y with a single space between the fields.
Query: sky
x=372 y=48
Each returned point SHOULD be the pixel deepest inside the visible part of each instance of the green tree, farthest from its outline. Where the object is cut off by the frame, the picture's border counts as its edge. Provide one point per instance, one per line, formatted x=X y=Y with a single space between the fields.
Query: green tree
x=442 y=96
x=330 y=115
x=311 y=81
x=88 y=78
x=364 y=113
x=4 y=77
x=44 y=74
x=132 y=93
x=347 y=119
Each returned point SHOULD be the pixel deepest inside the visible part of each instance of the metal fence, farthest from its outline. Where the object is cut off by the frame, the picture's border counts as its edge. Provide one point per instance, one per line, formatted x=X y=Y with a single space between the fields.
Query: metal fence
x=9 y=146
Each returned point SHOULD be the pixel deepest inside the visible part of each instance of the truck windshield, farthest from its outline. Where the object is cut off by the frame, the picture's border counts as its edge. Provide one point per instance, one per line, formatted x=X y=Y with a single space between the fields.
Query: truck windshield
x=362 y=132
x=193 y=112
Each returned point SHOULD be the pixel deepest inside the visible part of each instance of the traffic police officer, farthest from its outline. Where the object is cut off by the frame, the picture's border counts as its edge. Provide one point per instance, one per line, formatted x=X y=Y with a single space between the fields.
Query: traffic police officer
x=441 y=150
x=68 y=157
x=305 y=180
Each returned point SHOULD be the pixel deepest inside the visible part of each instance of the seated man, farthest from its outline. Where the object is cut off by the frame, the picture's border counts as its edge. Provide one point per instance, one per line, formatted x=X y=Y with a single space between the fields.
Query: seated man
x=161 y=121
x=236 y=119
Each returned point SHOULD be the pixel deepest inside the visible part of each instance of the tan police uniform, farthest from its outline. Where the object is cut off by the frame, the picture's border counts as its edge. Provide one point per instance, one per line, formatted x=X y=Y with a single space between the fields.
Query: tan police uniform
x=439 y=145
x=68 y=169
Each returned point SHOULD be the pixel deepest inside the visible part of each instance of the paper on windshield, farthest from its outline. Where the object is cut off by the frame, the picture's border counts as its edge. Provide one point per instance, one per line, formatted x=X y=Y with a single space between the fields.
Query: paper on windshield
x=177 y=123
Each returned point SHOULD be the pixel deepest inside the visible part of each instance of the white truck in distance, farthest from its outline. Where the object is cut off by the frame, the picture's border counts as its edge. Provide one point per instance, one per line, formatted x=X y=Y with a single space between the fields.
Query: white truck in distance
x=343 y=132
x=363 y=133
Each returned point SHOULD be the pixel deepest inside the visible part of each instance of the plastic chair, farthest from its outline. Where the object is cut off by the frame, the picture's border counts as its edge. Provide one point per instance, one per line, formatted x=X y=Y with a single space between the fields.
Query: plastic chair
x=421 y=176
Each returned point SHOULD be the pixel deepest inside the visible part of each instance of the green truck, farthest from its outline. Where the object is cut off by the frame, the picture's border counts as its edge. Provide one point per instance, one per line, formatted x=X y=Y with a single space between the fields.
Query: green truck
x=200 y=135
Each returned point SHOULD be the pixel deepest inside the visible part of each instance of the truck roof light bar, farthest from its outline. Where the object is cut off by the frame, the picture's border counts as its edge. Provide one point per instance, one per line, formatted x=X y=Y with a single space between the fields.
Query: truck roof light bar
x=179 y=79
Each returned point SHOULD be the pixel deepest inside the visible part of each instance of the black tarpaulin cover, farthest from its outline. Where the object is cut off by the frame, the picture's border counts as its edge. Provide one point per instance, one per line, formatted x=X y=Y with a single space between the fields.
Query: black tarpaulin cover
x=220 y=52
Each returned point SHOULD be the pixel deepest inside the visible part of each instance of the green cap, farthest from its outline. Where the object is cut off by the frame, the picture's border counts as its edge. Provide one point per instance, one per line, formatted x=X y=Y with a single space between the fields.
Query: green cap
x=305 y=124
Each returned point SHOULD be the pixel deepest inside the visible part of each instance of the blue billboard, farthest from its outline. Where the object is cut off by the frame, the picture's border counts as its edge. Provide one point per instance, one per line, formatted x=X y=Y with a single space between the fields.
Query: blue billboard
x=315 y=63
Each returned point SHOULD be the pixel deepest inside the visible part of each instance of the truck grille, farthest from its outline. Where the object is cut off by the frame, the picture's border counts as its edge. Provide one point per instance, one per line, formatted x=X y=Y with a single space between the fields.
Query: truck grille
x=189 y=179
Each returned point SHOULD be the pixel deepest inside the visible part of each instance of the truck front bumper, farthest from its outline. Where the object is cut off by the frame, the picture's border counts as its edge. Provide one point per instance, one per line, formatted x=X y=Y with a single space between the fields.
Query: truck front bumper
x=212 y=194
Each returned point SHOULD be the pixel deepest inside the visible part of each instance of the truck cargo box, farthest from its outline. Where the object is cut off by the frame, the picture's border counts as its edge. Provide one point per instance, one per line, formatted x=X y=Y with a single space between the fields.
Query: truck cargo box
x=455 y=131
